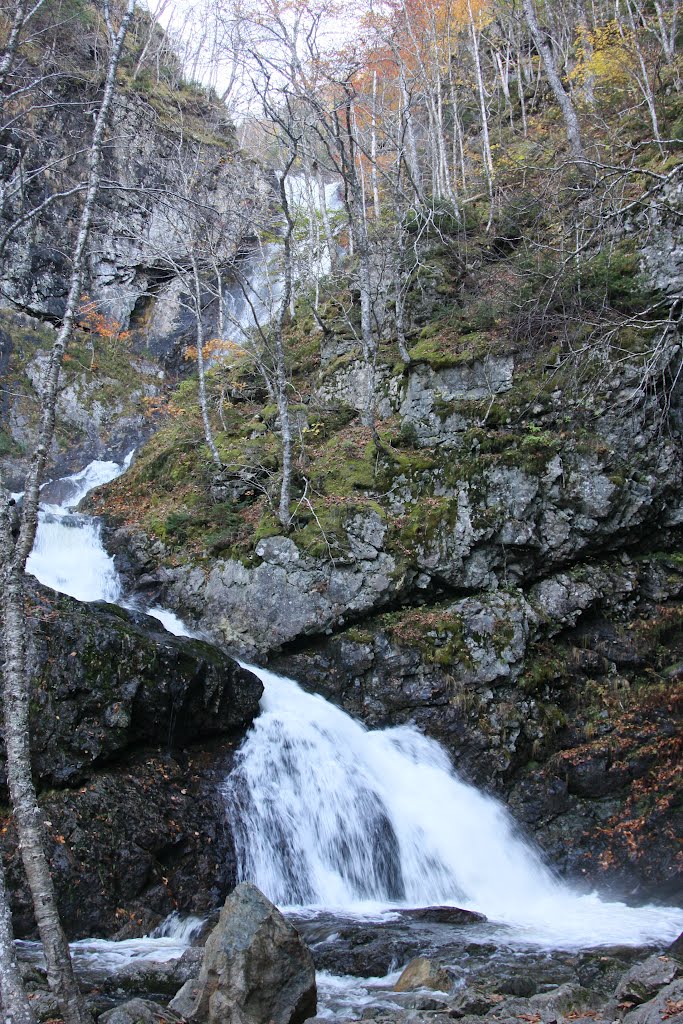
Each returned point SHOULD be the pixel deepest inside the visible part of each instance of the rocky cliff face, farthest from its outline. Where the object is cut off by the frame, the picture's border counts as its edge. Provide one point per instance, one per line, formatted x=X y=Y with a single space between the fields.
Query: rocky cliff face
x=167 y=156
x=132 y=734
x=504 y=572
x=169 y=163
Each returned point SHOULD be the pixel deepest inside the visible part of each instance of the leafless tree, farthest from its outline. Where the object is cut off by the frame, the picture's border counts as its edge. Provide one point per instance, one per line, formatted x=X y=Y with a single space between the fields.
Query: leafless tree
x=16 y=542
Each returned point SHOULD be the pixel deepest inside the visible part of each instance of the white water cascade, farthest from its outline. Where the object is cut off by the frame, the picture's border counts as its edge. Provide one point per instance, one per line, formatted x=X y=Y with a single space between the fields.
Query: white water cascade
x=252 y=304
x=331 y=815
x=68 y=554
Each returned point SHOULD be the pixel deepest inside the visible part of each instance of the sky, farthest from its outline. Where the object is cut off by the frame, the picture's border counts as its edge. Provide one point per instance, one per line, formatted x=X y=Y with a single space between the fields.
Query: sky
x=207 y=44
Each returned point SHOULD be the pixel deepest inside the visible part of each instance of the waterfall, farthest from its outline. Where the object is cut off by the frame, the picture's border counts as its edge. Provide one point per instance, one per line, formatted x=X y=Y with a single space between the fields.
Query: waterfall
x=251 y=304
x=68 y=554
x=327 y=813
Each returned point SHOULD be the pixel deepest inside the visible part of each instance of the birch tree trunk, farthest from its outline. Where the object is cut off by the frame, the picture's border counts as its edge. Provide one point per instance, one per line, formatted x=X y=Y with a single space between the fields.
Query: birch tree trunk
x=13 y=999
x=406 y=113
x=488 y=159
x=563 y=100
x=281 y=384
x=23 y=12
x=16 y=684
x=325 y=217
x=373 y=148
x=199 y=334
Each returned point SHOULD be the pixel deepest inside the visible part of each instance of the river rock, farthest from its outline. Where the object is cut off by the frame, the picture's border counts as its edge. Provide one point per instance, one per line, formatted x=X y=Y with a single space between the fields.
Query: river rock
x=644 y=980
x=666 y=1006
x=256 y=967
x=444 y=915
x=152 y=978
x=423 y=973
x=140 y=1011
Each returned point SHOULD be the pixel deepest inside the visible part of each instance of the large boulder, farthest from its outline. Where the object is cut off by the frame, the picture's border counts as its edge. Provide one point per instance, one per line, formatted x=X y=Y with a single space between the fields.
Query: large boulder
x=106 y=681
x=667 y=1005
x=256 y=968
x=644 y=980
x=133 y=732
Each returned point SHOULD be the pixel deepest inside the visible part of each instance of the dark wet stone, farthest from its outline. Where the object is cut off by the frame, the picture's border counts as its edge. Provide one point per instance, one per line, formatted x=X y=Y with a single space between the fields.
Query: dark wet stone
x=444 y=915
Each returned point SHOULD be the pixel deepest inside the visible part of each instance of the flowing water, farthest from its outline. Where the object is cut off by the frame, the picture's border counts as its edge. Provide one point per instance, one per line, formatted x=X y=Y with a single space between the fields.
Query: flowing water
x=331 y=815
x=335 y=822
x=250 y=303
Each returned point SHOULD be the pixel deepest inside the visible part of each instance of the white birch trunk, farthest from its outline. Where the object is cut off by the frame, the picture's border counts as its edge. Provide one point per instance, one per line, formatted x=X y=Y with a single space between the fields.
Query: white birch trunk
x=16 y=685
x=199 y=335
x=566 y=106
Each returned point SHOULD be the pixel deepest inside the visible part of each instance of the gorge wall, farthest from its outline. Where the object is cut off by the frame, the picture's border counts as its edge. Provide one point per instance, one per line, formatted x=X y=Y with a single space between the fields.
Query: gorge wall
x=498 y=559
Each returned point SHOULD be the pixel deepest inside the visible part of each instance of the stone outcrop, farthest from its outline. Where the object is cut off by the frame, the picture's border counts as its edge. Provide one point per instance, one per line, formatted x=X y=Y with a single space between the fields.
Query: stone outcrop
x=494 y=509
x=422 y=973
x=133 y=734
x=107 y=681
x=256 y=968
x=142 y=224
x=435 y=575
x=166 y=164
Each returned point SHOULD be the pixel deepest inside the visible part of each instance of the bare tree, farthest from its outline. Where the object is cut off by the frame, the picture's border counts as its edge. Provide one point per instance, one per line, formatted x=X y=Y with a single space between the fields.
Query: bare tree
x=563 y=99
x=13 y=999
x=16 y=546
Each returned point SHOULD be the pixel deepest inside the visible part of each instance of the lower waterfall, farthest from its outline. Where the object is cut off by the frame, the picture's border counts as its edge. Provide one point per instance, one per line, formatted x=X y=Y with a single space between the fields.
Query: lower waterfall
x=329 y=816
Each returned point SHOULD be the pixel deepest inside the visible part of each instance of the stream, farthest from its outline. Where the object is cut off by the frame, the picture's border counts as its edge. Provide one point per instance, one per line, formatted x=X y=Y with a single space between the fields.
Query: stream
x=345 y=828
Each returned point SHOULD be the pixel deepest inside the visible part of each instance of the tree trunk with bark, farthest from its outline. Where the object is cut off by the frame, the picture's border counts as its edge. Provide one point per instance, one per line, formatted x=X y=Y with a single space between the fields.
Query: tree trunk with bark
x=16 y=684
x=566 y=106
x=281 y=383
x=199 y=335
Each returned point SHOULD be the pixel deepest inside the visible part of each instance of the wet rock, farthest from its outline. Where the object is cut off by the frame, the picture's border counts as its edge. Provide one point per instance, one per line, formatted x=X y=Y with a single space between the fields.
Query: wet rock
x=518 y=986
x=644 y=980
x=474 y=1002
x=106 y=680
x=44 y=1005
x=136 y=826
x=256 y=967
x=666 y=1006
x=156 y=979
x=676 y=947
x=362 y=950
x=185 y=998
x=134 y=844
x=140 y=1011
x=567 y=998
x=423 y=973
x=444 y=915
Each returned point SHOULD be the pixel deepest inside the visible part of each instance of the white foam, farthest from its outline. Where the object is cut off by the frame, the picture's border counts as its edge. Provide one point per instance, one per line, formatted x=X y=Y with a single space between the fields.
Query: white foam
x=328 y=814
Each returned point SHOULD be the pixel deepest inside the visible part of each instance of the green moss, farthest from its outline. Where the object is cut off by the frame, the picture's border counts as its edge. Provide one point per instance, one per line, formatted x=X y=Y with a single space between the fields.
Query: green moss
x=543 y=666
x=8 y=446
x=356 y=635
x=322 y=532
x=437 y=632
x=345 y=464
